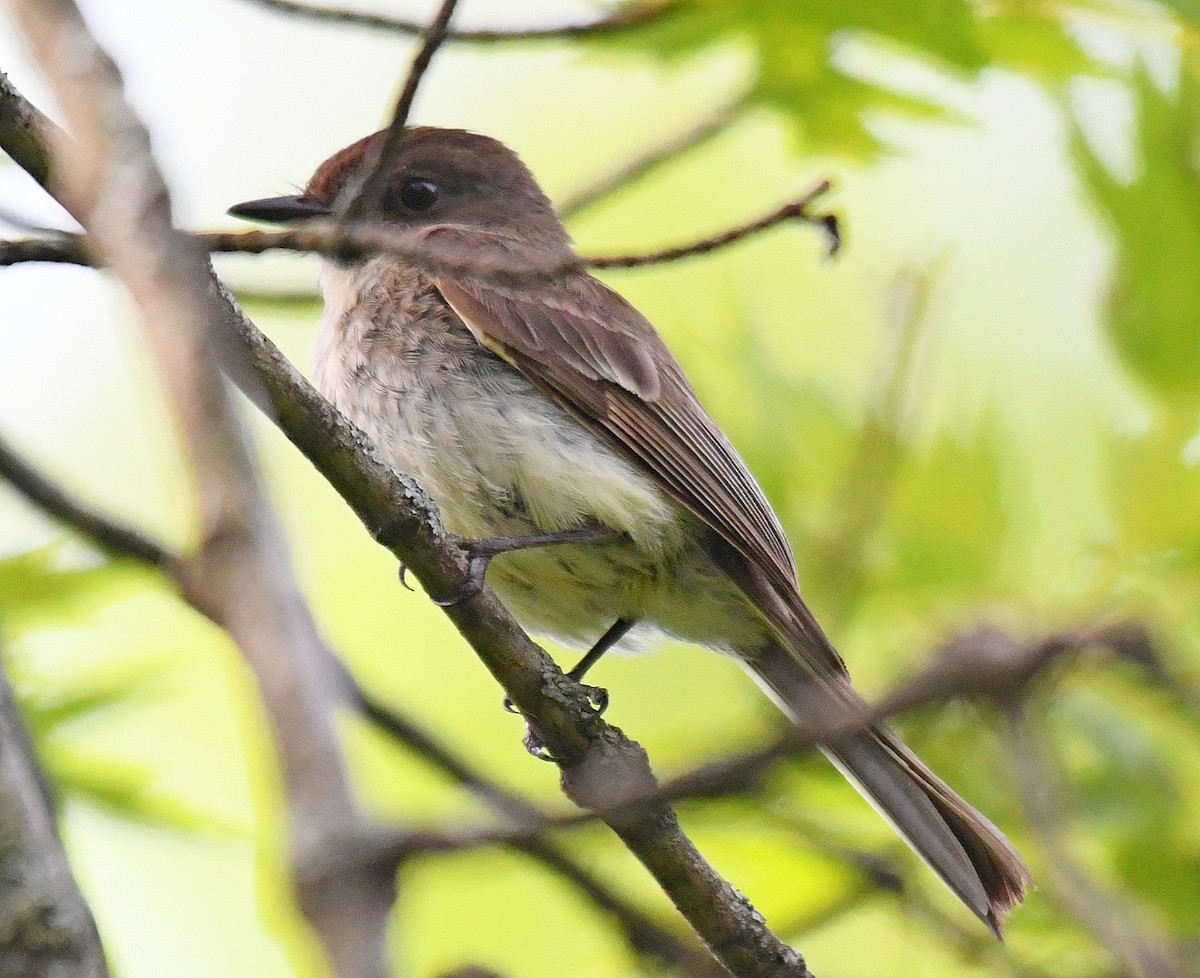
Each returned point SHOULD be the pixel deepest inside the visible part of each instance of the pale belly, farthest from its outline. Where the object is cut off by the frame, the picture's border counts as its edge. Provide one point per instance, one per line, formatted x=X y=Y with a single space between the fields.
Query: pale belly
x=502 y=460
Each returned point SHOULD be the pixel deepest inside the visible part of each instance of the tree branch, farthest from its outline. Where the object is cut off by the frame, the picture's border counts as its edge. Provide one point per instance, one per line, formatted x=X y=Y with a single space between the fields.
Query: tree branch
x=627 y=17
x=347 y=242
x=598 y=762
x=794 y=210
x=110 y=537
x=47 y=928
x=240 y=572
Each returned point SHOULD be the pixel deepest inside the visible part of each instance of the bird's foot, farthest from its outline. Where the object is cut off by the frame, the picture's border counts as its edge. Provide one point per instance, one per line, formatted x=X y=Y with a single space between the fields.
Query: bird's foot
x=535 y=744
x=597 y=699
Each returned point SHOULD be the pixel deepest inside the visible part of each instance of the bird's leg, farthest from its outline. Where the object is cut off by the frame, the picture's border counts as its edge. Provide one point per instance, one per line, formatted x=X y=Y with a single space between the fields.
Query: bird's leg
x=597 y=695
x=481 y=551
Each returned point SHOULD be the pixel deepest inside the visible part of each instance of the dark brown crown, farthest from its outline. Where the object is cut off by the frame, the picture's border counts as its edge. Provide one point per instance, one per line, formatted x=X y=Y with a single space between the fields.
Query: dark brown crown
x=331 y=176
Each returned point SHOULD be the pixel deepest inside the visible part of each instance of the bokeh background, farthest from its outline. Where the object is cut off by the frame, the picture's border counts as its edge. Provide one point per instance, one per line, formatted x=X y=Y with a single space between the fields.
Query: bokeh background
x=984 y=410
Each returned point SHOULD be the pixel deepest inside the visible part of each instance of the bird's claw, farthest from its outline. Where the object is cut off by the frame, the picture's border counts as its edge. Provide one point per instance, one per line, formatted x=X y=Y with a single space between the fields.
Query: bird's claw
x=597 y=698
x=403 y=575
x=535 y=744
x=479 y=555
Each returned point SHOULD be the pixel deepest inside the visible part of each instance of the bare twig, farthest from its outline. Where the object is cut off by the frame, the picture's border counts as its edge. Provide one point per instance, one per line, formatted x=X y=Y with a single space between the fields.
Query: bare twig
x=240 y=572
x=795 y=210
x=112 y=538
x=46 y=928
x=584 y=197
x=68 y=249
x=334 y=239
x=597 y=761
x=24 y=132
x=364 y=190
x=627 y=17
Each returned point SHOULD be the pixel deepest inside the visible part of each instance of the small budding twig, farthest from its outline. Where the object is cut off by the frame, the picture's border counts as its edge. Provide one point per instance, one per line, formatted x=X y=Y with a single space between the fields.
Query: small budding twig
x=793 y=210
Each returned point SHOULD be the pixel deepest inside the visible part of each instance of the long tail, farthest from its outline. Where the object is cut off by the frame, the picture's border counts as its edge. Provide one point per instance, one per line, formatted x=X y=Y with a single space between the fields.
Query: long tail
x=971 y=855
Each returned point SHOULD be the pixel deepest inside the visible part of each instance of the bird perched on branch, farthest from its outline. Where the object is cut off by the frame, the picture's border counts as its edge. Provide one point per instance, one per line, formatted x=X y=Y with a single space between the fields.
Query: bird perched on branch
x=549 y=422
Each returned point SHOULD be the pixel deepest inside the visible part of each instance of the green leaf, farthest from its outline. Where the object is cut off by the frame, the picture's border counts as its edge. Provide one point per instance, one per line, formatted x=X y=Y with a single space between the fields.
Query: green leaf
x=37 y=587
x=1153 y=309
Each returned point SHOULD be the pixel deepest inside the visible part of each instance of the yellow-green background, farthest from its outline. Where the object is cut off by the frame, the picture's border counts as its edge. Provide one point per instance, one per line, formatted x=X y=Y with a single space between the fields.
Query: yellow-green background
x=1023 y=174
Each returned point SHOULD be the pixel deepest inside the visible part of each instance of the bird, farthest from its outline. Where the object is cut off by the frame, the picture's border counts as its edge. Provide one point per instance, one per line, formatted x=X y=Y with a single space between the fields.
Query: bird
x=546 y=410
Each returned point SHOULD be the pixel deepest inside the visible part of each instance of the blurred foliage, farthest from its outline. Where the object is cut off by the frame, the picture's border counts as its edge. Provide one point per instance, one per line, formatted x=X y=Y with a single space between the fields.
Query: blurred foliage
x=937 y=463
x=40 y=591
x=802 y=62
x=1153 y=310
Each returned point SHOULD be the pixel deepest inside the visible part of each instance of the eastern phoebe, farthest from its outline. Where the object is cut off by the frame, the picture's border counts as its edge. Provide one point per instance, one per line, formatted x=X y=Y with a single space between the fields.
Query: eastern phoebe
x=552 y=405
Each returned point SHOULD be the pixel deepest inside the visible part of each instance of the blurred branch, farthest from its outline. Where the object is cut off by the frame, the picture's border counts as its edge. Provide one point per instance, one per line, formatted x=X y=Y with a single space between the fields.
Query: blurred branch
x=628 y=16
x=240 y=572
x=980 y=662
x=1116 y=925
x=599 y=764
x=794 y=210
x=634 y=169
x=640 y=930
x=111 y=538
x=25 y=132
x=365 y=188
x=46 y=928
x=66 y=249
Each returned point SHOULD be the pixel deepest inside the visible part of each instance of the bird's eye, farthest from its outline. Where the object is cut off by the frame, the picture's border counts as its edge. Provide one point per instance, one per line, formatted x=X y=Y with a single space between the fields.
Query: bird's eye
x=418 y=194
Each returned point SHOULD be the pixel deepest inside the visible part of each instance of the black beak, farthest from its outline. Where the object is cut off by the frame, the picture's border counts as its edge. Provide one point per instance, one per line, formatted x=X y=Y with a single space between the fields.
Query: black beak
x=279 y=210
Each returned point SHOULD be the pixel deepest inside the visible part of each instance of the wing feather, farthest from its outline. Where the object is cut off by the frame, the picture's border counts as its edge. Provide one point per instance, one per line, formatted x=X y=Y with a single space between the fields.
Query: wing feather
x=596 y=355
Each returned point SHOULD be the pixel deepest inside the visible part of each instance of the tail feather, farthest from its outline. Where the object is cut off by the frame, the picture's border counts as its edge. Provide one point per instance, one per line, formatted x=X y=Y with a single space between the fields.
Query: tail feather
x=969 y=854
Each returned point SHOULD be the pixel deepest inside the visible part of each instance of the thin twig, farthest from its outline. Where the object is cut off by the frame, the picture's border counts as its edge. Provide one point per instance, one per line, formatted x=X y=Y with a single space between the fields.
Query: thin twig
x=795 y=210
x=333 y=239
x=112 y=538
x=635 y=169
x=627 y=17
x=68 y=249
x=365 y=188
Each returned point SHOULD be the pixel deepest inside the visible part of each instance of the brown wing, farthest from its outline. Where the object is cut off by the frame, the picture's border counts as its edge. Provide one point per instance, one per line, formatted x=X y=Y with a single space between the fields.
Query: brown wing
x=601 y=359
